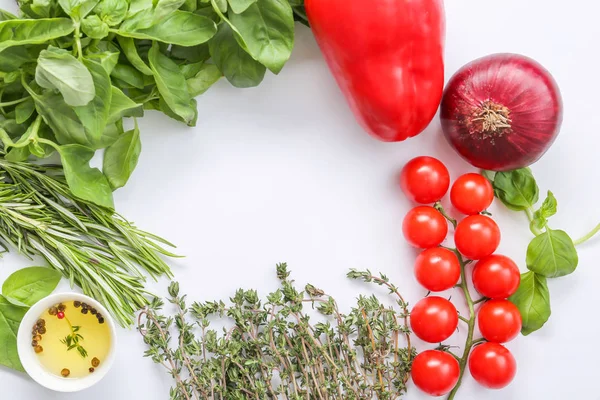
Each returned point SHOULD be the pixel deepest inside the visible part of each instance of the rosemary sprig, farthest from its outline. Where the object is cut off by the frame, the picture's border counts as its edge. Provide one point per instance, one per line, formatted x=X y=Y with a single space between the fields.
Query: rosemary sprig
x=72 y=340
x=274 y=349
x=95 y=248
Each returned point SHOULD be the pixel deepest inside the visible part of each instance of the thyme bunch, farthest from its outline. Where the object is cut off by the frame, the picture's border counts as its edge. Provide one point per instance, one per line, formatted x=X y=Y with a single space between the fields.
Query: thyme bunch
x=274 y=349
x=92 y=246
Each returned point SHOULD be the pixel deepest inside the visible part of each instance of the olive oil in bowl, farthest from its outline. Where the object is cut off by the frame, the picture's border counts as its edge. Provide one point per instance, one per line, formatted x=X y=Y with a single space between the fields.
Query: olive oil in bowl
x=71 y=339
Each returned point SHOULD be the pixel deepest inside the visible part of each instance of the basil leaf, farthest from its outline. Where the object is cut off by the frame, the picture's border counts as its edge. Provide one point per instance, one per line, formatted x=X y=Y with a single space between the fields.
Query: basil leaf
x=77 y=9
x=179 y=28
x=547 y=210
x=5 y=15
x=189 y=5
x=13 y=58
x=94 y=27
x=517 y=189
x=41 y=8
x=533 y=301
x=121 y=158
x=94 y=115
x=148 y=15
x=112 y=12
x=85 y=182
x=10 y=319
x=239 y=6
x=552 y=254
x=105 y=53
x=192 y=54
x=266 y=31
x=122 y=106
x=129 y=75
x=221 y=5
x=203 y=80
x=24 y=110
x=130 y=51
x=58 y=69
x=29 y=285
x=171 y=84
x=240 y=69
x=18 y=32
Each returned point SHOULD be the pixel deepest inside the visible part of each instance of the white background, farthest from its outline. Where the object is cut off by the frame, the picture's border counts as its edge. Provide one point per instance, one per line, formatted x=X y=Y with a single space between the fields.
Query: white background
x=283 y=173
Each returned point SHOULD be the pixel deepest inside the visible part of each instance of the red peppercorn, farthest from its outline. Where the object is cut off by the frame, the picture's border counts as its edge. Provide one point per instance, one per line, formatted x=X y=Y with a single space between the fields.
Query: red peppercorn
x=60 y=315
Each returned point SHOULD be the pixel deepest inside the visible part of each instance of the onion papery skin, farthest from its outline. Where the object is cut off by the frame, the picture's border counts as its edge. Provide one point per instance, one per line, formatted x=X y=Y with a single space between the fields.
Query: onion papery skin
x=501 y=112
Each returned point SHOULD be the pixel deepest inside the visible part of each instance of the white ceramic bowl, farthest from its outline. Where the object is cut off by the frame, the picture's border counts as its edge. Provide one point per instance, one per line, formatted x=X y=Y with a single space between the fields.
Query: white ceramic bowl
x=30 y=361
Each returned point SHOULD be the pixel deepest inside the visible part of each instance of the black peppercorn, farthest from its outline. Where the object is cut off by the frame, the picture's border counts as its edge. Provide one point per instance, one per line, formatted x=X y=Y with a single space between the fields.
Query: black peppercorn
x=95 y=362
x=91 y=370
x=53 y=311
x=84 y=310
x=101 y=320
x=62 y=307
x=94 y=311
x=77 y=304
x=42 y=330
x=34 y=343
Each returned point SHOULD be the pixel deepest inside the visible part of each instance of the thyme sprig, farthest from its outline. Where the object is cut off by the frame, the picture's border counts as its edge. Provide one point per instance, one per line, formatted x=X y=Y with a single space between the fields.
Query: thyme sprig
x=72 y=340
x=274 y=349
x=93 y=247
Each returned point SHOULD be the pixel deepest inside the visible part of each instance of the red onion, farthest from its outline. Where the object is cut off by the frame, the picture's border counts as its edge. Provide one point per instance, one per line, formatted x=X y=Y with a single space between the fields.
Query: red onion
x=501 y=112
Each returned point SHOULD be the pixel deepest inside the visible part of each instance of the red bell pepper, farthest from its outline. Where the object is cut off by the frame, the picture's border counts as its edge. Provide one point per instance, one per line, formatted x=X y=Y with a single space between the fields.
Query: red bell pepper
x=387 y=57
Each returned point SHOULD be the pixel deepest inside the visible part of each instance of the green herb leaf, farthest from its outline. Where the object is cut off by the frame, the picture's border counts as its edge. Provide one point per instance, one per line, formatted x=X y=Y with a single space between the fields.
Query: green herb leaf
x=77 y=9
x=266 y=30
x=129 y=75
x=533 y=301
x=10 y=319
x=105 y=53
x=130 y=51
x=180 y=28
x=112 y=12
x=24 y=110
x=85 y=182
x=121 y=158
x=192 y=54
x=58 y=69
x=13 y=58
x=171 y=84
x=517 y=189
x=240 y=69
x=547 y=210
x=239 y=6
x=94 y=27
x=122 y=106
x=19 y=32
x=203 y=80
x=552 y=254
x=94 y=115
x=27 y=286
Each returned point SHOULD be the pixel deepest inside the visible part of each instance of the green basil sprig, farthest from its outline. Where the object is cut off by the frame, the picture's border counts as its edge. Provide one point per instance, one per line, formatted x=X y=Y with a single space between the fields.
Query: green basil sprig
x=550 y=254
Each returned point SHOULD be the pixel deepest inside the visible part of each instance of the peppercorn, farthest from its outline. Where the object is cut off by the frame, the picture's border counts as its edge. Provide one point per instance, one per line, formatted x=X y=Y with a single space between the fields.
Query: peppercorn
x=91 y=370
x=84 y=305
x=84 y=310
x=42 y=330
x=65 y=372
x=77 y=304
x=41 y=322
x=94 y=311
x=37 y=338
x=34 y=331
x=95 y=362
x=34 y=343
x=52 y=310
x=100 y=320
x=62 y=307
x=38 y=349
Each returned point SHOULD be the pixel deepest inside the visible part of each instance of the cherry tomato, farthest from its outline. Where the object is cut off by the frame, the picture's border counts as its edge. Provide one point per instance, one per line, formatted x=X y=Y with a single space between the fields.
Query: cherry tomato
x=499 y=321
x=435 y=372
x=477 y=236
x=492 y=365
x=437 y=269
x=425 y=180
x=433 y=319
x=424 y=227
x=471 y=194
x=496 y=277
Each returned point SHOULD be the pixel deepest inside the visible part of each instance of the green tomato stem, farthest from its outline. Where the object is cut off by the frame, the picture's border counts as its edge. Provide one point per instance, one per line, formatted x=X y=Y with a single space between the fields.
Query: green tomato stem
x=470 y=323
x=587 y=237
x=438 y=206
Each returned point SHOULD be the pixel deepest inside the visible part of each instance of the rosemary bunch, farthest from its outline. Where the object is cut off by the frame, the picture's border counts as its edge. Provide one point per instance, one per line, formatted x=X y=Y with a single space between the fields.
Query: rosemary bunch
x=95 y=248
x=274 y=350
